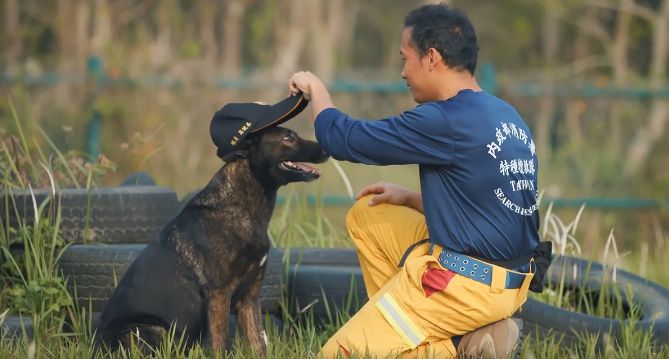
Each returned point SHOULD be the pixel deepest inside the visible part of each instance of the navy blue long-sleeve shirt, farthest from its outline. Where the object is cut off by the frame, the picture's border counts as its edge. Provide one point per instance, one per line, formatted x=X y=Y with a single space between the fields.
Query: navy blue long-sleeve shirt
x=477 y=164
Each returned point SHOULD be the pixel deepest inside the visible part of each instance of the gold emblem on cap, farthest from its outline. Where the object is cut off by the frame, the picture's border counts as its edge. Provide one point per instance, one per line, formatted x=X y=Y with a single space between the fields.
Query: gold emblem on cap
x=245 y=127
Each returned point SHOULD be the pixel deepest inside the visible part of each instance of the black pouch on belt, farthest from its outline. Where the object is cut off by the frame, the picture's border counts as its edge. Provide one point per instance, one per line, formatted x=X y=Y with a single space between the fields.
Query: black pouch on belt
x=542 y=256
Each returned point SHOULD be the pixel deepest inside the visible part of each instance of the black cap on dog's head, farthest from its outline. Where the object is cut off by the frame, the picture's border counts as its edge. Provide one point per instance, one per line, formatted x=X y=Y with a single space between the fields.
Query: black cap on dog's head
x=232 y=123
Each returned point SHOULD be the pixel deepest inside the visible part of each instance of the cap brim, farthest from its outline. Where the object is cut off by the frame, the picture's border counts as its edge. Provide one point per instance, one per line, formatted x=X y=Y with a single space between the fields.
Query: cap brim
x=281 y=112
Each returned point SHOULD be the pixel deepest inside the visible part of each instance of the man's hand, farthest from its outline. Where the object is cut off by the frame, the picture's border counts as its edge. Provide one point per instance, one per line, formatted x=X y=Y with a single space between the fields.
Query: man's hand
x=302 y=82
x=312 y=88
x=392 y=194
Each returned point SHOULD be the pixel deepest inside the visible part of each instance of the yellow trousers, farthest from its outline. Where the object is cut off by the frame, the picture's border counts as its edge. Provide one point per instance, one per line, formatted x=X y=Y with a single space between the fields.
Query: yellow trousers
x=413 y=311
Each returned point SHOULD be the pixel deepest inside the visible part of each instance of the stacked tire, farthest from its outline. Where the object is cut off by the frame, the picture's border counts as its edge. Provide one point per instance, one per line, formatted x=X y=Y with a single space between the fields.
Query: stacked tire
x=119 y=215
x=322 y=282
x=106 y=229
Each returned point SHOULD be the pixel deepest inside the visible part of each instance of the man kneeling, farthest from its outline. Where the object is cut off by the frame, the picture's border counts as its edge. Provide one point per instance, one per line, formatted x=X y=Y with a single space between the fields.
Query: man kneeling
x=478 y=178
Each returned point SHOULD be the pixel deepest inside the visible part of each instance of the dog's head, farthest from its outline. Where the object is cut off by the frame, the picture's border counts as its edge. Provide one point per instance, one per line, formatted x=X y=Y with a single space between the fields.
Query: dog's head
x=279 y=155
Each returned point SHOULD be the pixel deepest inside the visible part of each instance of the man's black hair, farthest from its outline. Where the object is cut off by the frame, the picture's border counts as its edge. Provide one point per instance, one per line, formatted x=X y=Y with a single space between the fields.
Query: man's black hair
x=447 y=30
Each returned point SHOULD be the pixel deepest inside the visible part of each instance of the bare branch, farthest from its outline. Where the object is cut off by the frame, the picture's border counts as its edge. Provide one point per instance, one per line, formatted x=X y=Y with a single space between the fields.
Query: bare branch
x=630 y=7
x=580 y=66
x=620 y=45
x=568 y=70
x=592 y=28
x=128 y=11
x=658 y=66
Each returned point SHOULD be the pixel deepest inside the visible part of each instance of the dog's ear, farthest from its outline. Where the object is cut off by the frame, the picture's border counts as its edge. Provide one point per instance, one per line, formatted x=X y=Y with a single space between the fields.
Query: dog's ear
x=243 y=150
x=234 y=155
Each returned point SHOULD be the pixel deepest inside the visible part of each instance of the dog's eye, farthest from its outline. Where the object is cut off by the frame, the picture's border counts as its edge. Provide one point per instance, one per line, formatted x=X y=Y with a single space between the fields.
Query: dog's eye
x=289 y=137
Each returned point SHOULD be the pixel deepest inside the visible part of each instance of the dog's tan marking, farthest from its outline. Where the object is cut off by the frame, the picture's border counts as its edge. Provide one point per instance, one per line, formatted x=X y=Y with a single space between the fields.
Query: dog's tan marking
x=218 y=310
x=248 y=314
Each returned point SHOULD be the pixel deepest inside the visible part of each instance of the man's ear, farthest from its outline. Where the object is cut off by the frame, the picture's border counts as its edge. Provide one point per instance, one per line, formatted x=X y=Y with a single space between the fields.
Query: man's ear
x=433 y=58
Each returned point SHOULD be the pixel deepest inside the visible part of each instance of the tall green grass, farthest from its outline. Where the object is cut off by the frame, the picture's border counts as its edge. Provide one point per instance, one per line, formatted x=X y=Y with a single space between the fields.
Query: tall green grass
x=33 y=287
x=300 y=337
x=299 y=224
x=608 y=300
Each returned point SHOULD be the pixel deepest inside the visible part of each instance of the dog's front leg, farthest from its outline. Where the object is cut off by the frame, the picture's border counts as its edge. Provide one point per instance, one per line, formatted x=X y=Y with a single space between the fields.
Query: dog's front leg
x=218 y=311
x=248 y=314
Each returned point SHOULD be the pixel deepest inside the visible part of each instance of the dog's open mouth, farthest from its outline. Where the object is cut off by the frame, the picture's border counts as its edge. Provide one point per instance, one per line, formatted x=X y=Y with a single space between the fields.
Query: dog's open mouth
x=300 y=167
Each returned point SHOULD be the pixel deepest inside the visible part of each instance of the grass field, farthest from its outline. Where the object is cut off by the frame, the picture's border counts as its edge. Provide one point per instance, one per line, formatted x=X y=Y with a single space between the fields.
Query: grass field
x=32 y=286
x=38 y=292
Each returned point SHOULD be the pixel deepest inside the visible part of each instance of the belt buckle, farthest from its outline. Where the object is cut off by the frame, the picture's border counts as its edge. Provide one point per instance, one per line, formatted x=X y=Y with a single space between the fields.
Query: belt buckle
x=498 y=281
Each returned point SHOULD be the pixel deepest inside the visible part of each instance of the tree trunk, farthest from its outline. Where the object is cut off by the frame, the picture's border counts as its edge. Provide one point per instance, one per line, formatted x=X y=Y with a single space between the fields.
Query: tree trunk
x=619 y=51
x=13 y=35
x=647 y=136
x=621 y=44
x=551 y=37
x=347 y=31
x=232 y=38
x=82 y=31
x=161 y=47
x=322 y=36
x=207 y=21
x=330 y=32
x=72 y=36
x=658 y=68
x=582 y=41
x=576 y=106
x=102 y=27
x=290 y=48
x=72 y=30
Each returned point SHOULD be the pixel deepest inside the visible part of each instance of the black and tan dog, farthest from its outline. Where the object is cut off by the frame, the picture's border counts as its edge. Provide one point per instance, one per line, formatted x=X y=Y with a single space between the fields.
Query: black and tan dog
x=212 y=255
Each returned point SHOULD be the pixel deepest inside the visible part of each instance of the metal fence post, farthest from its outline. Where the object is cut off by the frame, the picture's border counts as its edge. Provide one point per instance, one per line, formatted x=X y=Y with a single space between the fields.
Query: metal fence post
x=96 y=75
x=487 y=78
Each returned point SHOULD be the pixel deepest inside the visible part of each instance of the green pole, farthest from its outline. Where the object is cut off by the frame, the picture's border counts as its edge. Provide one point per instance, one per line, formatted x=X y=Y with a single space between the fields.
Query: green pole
x=487 y=78
x=94 y=129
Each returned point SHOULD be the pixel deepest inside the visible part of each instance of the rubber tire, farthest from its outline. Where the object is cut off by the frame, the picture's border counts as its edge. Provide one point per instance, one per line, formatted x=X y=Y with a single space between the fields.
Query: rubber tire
x=96 y=269
x=329 y=277
x=13 y=327
x=543 y=319
x=129 y=214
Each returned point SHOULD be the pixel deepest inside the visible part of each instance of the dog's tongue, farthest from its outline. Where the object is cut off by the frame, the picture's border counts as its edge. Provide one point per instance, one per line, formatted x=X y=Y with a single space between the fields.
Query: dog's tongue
x=302 y=166
x=305 y=167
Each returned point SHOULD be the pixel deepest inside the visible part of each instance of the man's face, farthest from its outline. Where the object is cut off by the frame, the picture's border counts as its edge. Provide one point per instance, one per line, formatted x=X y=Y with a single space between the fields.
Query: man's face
x=415 y=69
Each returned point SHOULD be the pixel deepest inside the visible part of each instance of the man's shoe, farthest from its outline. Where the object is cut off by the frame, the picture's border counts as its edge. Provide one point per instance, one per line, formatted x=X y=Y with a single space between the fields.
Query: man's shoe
x=501 y=339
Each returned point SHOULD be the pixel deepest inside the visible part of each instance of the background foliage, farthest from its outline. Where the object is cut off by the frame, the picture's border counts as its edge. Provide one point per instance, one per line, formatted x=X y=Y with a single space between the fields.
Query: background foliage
x=589 y=76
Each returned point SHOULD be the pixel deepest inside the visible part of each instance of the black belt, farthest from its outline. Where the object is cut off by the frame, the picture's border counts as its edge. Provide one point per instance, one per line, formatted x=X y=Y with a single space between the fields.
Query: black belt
x=409 y=250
